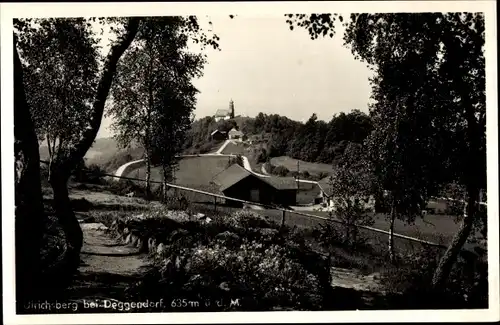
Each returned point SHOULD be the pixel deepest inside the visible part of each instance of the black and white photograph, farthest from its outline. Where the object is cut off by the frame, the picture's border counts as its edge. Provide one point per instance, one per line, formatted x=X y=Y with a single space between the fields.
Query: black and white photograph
x=245 y=162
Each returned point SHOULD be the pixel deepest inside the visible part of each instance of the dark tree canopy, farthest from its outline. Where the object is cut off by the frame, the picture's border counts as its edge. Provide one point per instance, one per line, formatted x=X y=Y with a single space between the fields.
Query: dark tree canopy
x=429 y=111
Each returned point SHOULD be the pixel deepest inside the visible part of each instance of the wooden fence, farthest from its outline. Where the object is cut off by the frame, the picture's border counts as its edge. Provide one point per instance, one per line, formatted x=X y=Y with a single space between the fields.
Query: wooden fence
x=276 y=208
x=282 y=211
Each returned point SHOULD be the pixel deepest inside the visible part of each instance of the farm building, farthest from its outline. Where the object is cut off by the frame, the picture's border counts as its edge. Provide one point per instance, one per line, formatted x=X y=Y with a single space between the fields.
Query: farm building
x=219 y=135
x=239 y=183
x=325 y=196
x=235 y=134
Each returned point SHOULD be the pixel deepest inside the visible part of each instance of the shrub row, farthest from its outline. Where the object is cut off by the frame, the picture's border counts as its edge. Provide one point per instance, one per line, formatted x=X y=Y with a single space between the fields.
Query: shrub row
x=238 y=256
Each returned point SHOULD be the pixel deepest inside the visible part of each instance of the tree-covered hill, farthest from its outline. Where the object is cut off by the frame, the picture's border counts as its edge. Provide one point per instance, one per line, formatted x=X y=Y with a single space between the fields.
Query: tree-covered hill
x=313 y=141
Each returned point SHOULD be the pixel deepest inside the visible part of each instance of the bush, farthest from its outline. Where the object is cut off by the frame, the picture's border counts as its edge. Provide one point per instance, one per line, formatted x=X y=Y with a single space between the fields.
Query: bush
x=174 y=201
x=262 y=157
x=268 y=167
x=261 y=278
x=235 y=160
x=241 y=255
x=322 y=175
x=206 y=147
x=280 y=171
x=93 y=175
x=124 y=187
x=467 y=286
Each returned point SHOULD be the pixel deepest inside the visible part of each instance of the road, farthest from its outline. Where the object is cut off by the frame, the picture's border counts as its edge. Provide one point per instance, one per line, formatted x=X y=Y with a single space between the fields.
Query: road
x=119 y=172
x=246 y=163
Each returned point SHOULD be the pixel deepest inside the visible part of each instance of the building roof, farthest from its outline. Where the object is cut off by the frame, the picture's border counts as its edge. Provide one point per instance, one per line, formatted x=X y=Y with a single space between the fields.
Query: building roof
x=235 y=173
x=281 y=183
x=325 y=185
x=223 y=112
x=223 y=132
x=233 y=131
x=230 y=176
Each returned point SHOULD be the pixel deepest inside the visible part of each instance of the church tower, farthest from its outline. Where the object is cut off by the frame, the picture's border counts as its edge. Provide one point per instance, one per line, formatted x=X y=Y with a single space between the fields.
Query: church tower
x=231 y=109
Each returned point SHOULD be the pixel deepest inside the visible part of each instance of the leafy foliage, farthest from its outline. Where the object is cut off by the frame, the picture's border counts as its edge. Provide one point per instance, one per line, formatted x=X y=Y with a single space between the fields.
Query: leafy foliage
x=276 y=170
x=352 y=186
x=235 y=160
x=60 y=86
x=281 y=136
x=153 y=97
x=429 y=91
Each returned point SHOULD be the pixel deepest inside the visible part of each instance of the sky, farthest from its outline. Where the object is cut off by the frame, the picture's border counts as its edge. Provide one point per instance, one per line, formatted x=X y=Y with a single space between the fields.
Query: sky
x=263 y=66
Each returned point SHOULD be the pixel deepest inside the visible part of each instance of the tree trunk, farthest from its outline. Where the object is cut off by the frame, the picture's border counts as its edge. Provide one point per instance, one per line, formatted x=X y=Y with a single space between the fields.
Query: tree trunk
x=450 y=256
x=391 y=234
x=164 y=184
x=80 y=149
x=148 y=176
x=60 y=172
x=67 y=219
x=29 y=206
x=29 y=214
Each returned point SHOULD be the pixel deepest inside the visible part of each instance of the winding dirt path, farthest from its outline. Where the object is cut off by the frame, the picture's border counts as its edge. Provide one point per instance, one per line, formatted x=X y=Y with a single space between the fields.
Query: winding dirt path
x=107 y=270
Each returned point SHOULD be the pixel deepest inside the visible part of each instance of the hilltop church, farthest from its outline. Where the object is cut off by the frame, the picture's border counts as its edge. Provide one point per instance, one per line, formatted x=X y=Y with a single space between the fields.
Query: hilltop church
x=225 y=114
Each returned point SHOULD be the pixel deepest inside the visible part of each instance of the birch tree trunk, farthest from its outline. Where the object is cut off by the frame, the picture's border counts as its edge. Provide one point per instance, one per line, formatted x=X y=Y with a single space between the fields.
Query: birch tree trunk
x=473 y=179
x=164 y=184
x=391 y=234
x=148 y=176
x=450 y=256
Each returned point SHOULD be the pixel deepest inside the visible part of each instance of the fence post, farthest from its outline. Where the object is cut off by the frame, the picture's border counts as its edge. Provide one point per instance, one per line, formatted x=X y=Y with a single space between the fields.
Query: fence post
x=215 y=203
x=283 y=219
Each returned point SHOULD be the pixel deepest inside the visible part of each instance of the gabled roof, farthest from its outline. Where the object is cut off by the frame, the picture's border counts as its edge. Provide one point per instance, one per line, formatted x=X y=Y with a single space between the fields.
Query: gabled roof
x=234 y=131
x=231 y=176
x=325 y=185
x=222 y=112
x=223 y=132
x=281 y=183
x=235 y=173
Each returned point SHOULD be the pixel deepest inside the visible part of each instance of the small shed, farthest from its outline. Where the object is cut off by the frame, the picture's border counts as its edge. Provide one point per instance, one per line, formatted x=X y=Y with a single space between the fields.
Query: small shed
x=235 y=134
x=326 y=194
x=240 y=183
x=218 y=135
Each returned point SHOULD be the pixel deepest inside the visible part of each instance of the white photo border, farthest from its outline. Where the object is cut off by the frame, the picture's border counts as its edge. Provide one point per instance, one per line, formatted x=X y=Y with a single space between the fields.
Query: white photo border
x=9 y=11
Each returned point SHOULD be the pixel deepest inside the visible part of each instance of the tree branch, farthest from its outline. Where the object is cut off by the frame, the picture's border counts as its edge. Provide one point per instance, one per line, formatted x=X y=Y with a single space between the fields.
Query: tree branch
x=103 y=88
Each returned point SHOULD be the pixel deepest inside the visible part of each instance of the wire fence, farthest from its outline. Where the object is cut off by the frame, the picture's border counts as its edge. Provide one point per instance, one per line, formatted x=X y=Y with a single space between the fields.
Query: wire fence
x=270 y=207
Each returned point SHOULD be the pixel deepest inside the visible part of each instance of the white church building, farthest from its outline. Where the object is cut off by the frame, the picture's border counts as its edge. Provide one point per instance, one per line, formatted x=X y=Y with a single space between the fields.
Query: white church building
x=225 y=113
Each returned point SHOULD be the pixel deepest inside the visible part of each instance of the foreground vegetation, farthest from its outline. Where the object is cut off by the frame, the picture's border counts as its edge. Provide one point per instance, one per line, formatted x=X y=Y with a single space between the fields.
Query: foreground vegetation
x=248 y=255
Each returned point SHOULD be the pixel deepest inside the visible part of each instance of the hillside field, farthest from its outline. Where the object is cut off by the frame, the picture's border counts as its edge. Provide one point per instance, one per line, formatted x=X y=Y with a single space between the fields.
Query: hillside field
x=291 y=165
x=195 y=172
x=236 y=149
